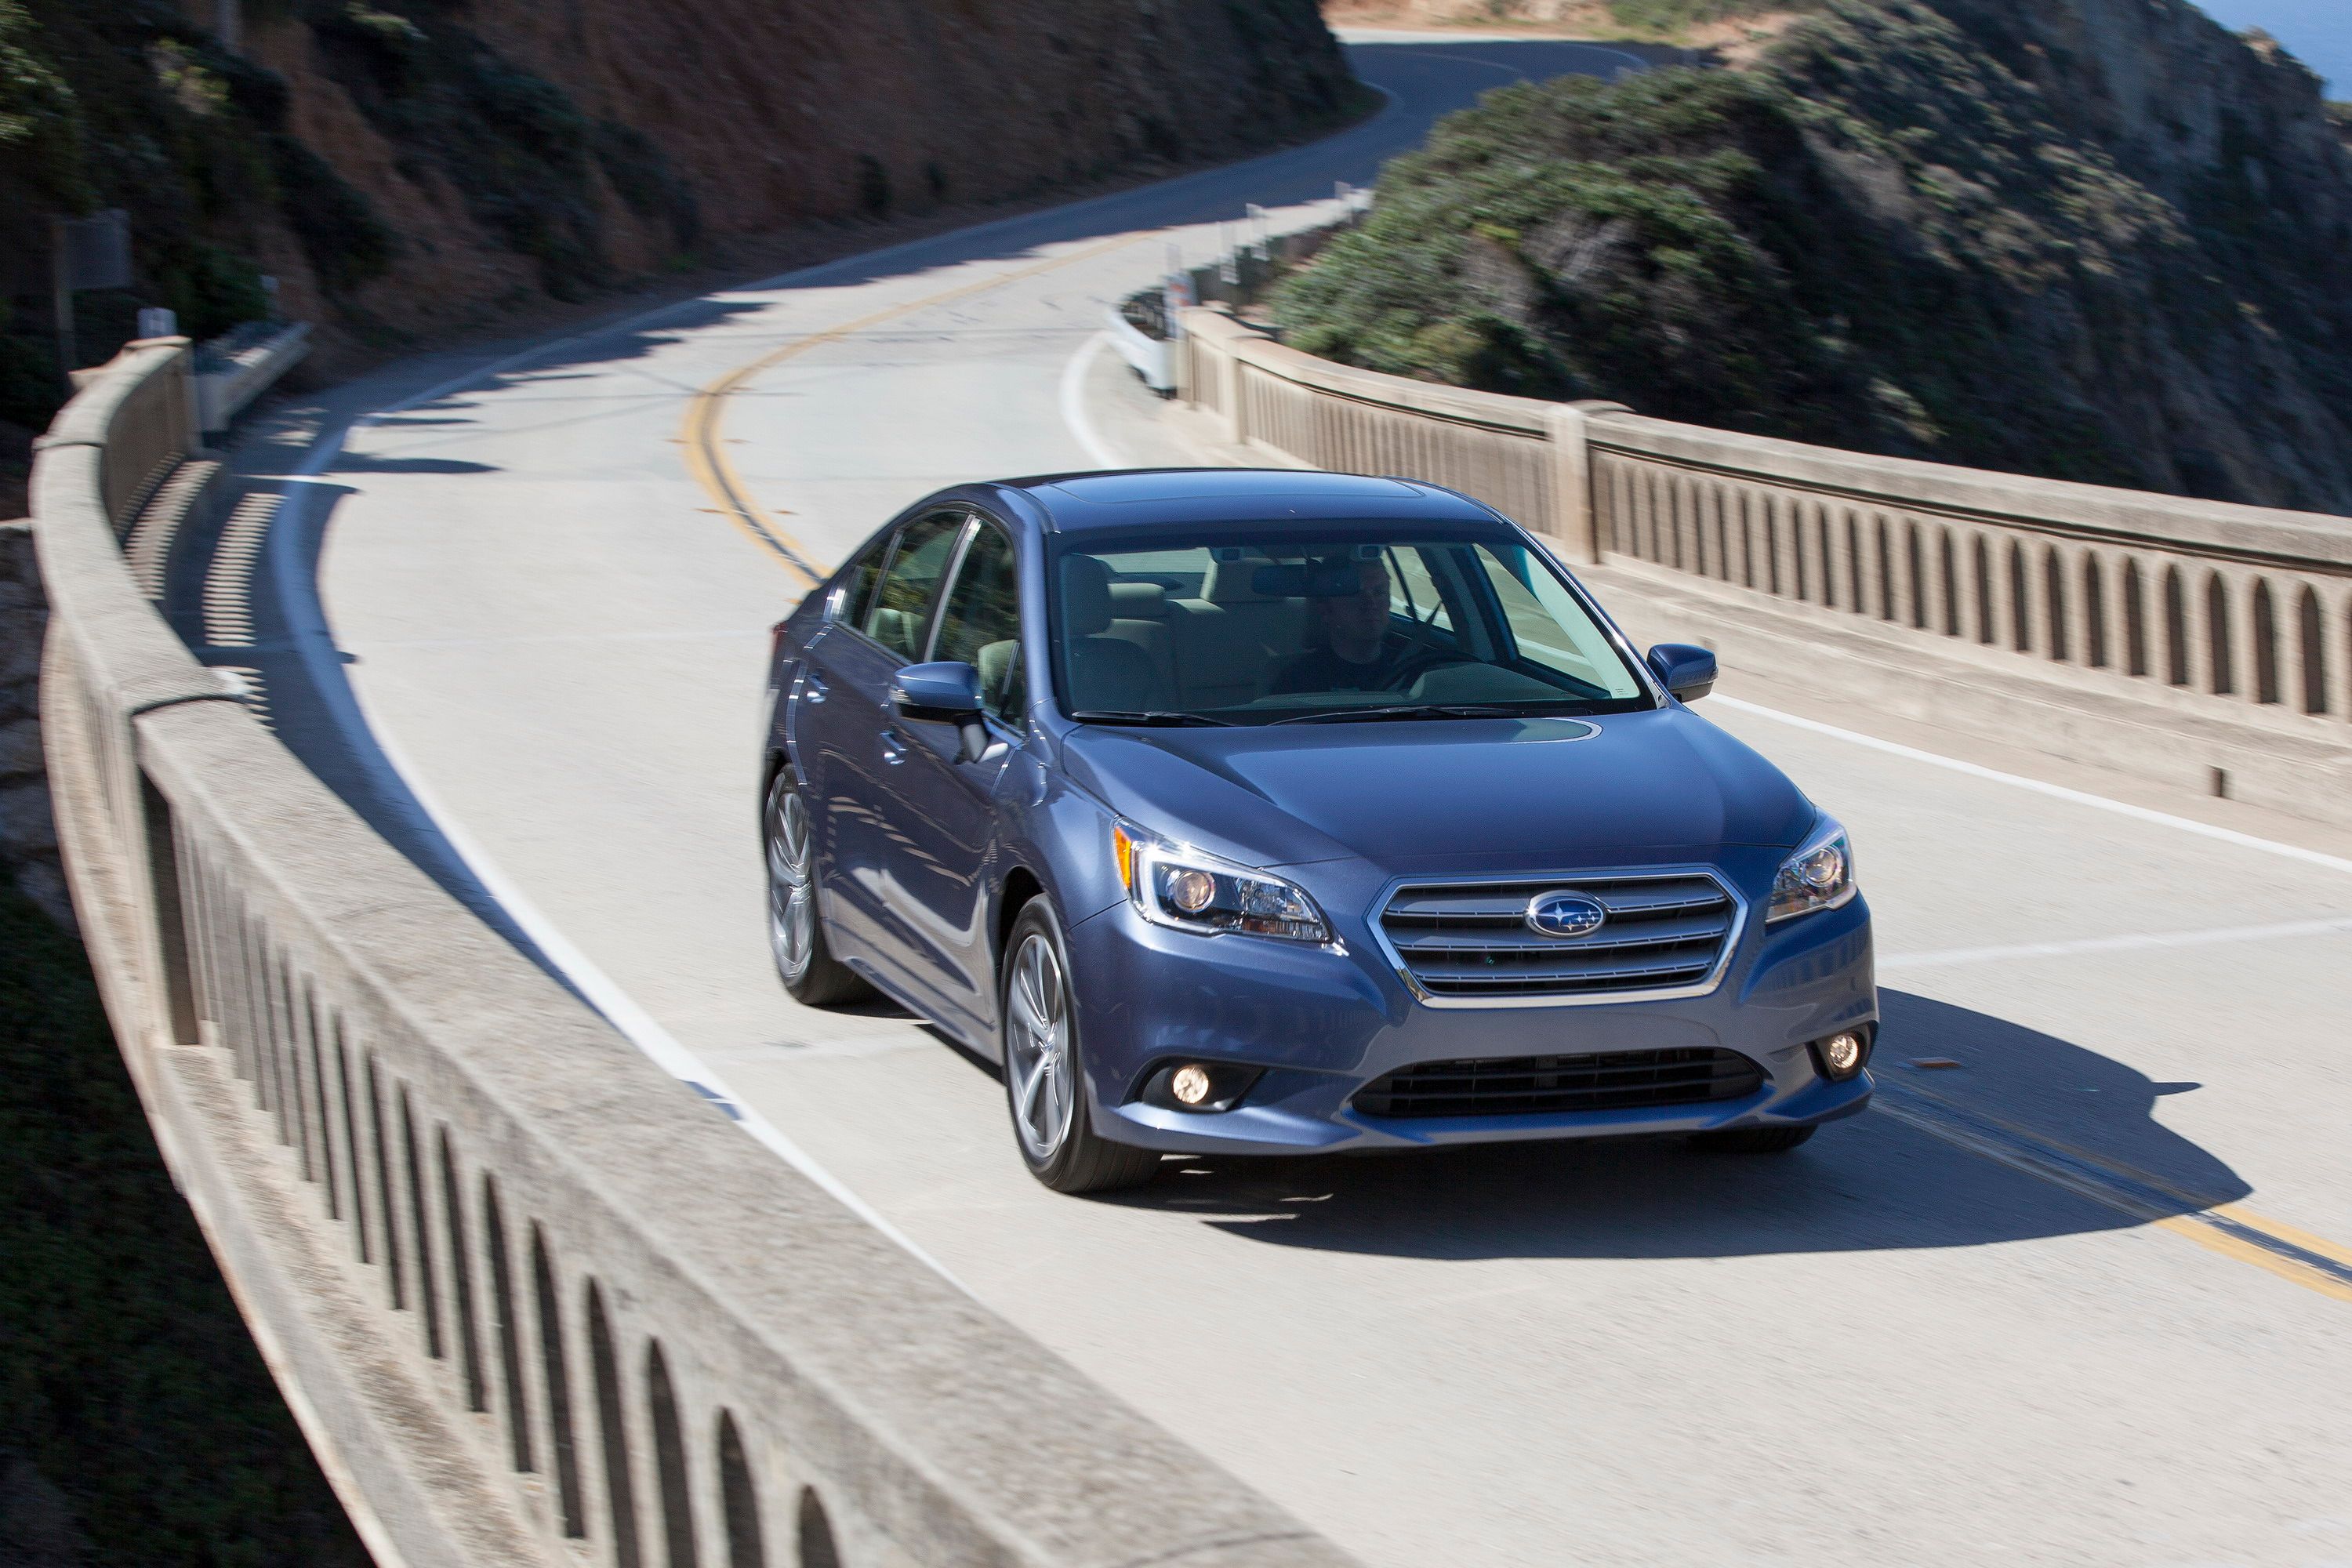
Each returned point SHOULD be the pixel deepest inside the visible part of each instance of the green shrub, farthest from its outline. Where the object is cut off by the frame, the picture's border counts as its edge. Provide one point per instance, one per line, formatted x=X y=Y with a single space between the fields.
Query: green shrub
x=1668 y=17
x=518 y=150
x=1895 y=234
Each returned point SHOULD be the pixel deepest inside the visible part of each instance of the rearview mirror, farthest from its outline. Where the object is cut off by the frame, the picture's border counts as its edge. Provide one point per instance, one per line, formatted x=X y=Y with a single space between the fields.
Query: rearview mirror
x=1686 y=672
x=1306 y=580
x=947 y=693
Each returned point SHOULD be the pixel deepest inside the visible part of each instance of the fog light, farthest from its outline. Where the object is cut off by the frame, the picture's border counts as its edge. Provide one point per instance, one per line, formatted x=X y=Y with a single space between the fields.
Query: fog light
x=1842 y=1053
x=1189 y=1084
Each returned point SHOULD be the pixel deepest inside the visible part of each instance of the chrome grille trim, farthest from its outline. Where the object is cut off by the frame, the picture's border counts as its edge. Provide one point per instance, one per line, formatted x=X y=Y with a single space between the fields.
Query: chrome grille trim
x=1463 y=942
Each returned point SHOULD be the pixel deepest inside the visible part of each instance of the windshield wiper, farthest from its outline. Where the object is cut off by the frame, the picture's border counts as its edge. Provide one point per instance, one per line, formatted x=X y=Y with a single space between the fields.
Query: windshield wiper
x=1418 y=710
x=1157 y=717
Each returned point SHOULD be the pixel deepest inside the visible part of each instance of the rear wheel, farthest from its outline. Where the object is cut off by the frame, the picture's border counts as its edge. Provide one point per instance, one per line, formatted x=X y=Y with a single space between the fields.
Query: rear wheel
x=795 y=927
x=1044 y=1085
x=1751 y=1140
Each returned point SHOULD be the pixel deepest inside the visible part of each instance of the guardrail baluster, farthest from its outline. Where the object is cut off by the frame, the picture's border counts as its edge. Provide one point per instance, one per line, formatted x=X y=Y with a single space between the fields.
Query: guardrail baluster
x=386 y=1209
x=428 y=1297
x=670 y=1462
x=2220 y=643
x=2261 y=623
x=740 y=1501
x=461 y=1275
x=352 y=1144
x=509 y=1326
x=2311 y=652
x=612 y=1431
x=557 y=1377
x=319 y=1094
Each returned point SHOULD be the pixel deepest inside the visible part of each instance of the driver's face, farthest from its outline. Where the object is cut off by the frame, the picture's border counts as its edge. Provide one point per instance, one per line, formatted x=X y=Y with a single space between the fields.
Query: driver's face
x=1364 y=613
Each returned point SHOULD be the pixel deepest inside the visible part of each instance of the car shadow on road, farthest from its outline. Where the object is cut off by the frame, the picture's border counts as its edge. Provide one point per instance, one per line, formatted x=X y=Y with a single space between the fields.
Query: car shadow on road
x=1876 y=1181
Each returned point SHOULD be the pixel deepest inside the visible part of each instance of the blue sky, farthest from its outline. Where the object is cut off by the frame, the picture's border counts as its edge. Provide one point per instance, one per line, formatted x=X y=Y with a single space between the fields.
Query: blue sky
x=2319 y=32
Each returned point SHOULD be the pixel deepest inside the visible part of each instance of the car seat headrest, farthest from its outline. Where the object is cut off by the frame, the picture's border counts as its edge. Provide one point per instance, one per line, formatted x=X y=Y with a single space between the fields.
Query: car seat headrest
x=1138 y=601
x=1086 y=594
x=1233 y=579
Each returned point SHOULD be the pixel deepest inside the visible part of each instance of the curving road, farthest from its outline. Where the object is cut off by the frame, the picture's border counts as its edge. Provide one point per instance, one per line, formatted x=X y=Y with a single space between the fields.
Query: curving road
x=1998 y=1318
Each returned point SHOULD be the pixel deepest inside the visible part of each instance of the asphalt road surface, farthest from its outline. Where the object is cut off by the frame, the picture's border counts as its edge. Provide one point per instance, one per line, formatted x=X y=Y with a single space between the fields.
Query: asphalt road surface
x=2070 y=1300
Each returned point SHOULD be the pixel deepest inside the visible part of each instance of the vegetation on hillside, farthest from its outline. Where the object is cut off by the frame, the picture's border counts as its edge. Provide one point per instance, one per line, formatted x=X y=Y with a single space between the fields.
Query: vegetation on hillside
x=1675 y=18
x=515 y=147
x=127 y=1379
x=1889 y=235
x=126 y=103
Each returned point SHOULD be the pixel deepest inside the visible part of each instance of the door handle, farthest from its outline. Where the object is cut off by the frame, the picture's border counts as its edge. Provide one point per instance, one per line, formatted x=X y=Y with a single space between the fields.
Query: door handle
x=811 y=689
x=894 y=747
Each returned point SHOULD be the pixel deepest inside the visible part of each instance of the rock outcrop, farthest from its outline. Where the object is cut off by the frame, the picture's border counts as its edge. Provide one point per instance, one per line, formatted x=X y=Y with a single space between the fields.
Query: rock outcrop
x=2095 y=239
x=405 y=165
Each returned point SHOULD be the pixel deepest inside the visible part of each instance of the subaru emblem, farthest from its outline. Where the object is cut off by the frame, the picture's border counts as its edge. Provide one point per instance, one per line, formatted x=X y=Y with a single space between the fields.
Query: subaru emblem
x=1565 y=915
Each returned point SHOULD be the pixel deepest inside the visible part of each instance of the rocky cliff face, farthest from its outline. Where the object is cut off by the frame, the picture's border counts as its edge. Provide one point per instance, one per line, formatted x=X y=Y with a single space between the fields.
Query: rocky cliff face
x=405 y=166
x=2094 y=239
x=518 y=143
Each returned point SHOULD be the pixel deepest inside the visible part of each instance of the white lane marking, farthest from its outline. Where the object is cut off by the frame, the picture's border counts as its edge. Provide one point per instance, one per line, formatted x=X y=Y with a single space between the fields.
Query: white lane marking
x=314 y=644
x=2139 y=941
x=1074 y=405
x=2055 y=792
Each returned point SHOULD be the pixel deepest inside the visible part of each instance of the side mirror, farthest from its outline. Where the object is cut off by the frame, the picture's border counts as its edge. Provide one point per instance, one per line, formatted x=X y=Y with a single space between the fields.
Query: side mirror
x=1686 y=672
x=944 y=694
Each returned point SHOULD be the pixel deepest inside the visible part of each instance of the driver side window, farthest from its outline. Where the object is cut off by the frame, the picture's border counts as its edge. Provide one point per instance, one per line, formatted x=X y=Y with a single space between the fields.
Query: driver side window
x=981 y=623
x=900 y=614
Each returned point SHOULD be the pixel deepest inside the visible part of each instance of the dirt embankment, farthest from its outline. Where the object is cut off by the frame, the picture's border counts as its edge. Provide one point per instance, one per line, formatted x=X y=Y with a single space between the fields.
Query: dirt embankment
x=410 y=168
x=662 y=127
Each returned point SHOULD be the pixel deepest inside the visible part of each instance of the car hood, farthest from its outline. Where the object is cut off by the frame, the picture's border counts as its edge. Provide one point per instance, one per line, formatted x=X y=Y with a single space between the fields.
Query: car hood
x=1487 y=794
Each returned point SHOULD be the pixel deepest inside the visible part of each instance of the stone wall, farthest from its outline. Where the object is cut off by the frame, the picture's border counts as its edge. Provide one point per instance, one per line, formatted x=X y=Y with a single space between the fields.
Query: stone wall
x=28 y=840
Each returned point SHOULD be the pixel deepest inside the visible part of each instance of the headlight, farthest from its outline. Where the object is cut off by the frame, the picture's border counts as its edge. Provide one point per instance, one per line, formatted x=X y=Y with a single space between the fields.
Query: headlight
x=1190 y=889
x=1819 y=875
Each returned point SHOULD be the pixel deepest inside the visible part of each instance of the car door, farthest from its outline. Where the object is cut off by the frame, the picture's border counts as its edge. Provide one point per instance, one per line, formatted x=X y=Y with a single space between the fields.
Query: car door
x=848 y=740
x=942 y=836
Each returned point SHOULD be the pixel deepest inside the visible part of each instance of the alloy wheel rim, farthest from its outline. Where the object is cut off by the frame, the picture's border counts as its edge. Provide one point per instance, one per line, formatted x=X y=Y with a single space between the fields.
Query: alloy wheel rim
x=791 y=896
x=1037 y=1048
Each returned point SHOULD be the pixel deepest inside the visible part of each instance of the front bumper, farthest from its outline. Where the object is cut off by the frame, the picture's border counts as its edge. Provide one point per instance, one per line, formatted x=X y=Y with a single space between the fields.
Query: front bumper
x=1322 y=1023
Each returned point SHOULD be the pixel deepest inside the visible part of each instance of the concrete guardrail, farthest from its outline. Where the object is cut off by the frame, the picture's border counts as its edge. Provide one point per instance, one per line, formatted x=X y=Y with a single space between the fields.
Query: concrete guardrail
x=232 y=372
x=2203 y=611
x=532 y=1300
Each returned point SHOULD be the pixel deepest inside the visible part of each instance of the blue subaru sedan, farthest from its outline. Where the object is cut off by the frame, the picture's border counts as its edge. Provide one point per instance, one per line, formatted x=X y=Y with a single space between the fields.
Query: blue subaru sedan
x=1276 y=813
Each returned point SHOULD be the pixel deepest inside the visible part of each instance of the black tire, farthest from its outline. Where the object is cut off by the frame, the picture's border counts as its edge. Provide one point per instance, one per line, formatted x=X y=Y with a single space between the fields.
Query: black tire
x=1752 y=1140
x=1056 y=1138
x=796 y=937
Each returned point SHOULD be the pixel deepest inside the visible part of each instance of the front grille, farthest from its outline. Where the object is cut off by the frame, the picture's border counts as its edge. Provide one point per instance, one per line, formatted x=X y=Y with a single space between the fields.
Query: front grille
x=1603 y=1080
x=1473 y=941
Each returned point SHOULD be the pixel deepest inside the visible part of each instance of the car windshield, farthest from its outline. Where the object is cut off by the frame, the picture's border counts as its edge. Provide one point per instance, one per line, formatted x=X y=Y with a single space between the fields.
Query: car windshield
x=1268 y=625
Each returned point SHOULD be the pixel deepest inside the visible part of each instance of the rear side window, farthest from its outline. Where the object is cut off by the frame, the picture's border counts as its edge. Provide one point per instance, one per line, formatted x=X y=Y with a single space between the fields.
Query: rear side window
x=981 y=623
x=901 y=611
x=858 y=584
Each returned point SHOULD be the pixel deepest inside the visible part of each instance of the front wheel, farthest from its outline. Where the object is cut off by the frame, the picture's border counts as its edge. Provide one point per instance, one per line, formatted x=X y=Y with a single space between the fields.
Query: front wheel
x=1043 y=1083
x=805 y=960
x=1751 y=1140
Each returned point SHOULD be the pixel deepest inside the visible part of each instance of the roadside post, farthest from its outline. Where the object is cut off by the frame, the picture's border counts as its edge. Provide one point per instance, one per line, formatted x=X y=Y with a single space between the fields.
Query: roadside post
x=91 y=252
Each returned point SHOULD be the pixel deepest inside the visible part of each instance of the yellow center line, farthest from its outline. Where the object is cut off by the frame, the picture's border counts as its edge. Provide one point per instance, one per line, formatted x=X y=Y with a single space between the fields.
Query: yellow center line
x=2229 y=1229
x=706 y=459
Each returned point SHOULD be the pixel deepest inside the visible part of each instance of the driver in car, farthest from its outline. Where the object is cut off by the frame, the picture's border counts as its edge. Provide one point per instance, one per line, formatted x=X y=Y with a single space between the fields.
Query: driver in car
x=1361 y=651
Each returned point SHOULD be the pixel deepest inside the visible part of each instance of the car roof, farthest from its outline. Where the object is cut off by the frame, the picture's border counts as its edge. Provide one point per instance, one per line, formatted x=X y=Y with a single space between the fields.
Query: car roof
x=1141 y=498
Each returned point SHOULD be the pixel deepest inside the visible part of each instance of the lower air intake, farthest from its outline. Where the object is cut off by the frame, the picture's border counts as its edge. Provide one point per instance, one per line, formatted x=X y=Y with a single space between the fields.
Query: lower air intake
x=1604 y=1080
